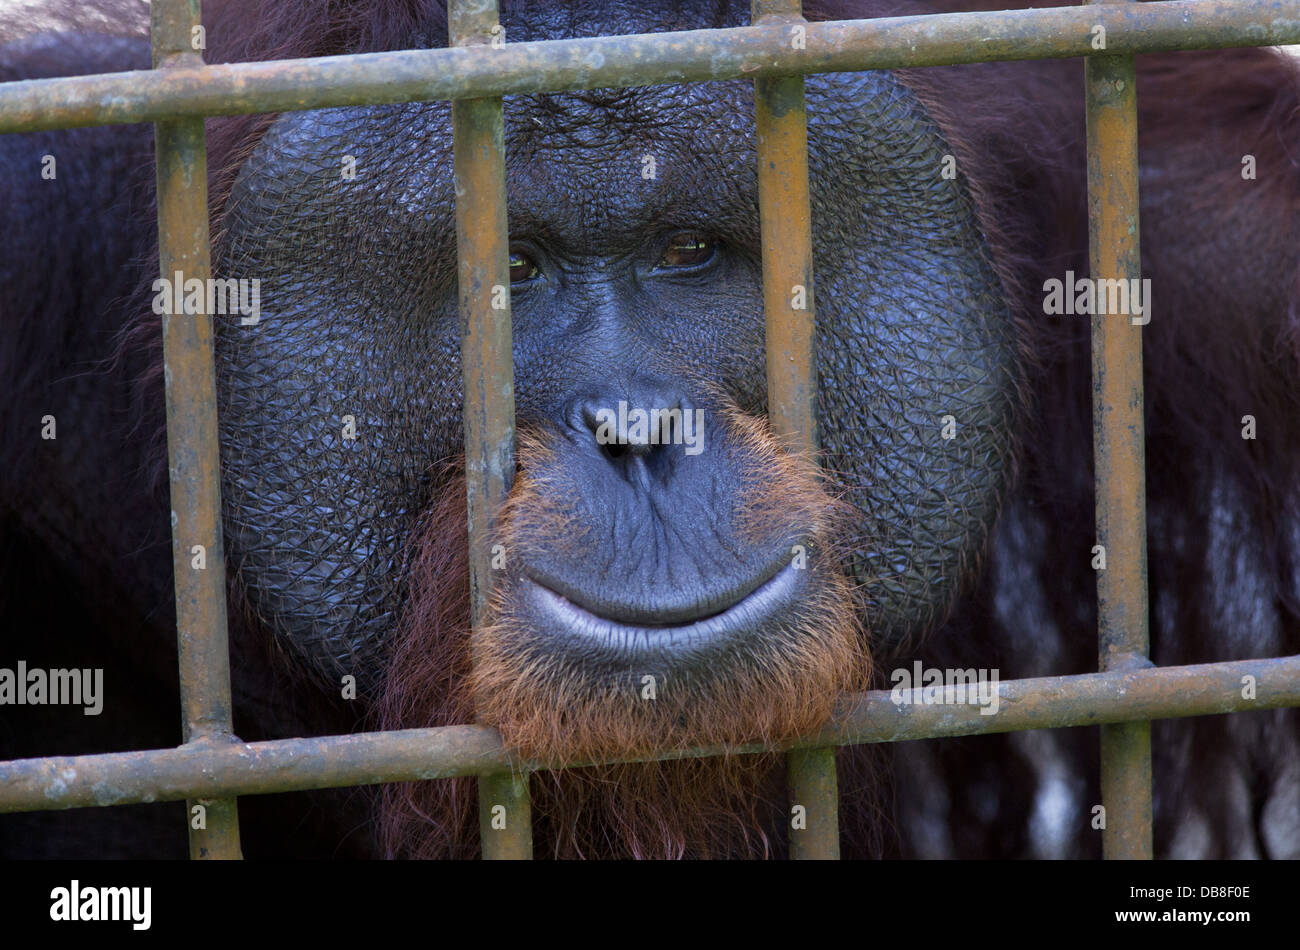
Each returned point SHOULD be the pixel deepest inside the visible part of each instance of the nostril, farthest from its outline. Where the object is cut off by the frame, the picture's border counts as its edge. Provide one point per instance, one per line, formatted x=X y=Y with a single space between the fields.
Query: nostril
x=624 y=451
x=630 y=422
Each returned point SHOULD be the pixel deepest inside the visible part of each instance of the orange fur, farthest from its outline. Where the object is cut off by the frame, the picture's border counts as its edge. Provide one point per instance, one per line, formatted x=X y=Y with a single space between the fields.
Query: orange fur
x=686 y=808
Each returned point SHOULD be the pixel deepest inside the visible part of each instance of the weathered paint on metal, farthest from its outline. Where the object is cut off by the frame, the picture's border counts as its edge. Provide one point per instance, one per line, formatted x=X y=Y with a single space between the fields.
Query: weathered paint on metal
x=813 y=789
x=483 y=246
x=505 y=819
x=781 y=131
x=786 y=235
x=688 y=56
x=1119 y=441
x=223 y=771
x=189 y=379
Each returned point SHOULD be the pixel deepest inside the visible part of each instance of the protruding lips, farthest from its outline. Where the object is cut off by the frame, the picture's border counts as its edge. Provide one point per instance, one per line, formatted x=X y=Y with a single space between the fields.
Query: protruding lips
x=681 y=628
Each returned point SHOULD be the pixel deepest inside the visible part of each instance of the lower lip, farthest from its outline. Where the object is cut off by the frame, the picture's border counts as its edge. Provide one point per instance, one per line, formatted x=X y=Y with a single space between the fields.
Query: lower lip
x=560 y=616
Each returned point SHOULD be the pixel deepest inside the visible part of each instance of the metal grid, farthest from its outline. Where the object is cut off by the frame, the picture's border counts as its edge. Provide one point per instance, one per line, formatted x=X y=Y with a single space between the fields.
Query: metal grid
x=212 y=767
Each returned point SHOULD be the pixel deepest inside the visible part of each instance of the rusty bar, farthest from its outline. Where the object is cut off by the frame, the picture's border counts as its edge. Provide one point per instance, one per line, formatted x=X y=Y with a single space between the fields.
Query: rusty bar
x=483 y=246
x=614 y=61
x=189 y=379
x=814 y=796
x=369 y=758
x=782 y=134
x=1119 y=441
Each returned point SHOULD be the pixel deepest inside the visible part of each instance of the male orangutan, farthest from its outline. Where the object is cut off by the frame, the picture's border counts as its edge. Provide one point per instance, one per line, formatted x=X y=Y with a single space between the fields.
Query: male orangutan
x=947 y=520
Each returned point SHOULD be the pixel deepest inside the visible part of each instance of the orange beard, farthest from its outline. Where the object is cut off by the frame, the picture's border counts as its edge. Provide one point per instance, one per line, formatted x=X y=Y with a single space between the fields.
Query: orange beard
x=725 y=806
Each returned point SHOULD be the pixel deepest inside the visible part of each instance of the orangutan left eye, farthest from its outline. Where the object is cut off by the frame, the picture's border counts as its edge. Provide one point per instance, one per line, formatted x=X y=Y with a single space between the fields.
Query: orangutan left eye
x=688 y=249
x=522 y=267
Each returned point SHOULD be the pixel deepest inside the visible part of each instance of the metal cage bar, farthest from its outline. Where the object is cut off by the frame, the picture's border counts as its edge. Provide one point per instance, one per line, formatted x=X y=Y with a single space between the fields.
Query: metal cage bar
x=368 y=758
x=193 y=463
x=483 y=247
x=1119 y=442
x=748 y=52
x=781 y=131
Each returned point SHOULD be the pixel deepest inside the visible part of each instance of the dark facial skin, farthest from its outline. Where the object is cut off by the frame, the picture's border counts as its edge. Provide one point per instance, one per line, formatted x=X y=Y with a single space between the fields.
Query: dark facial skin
x=646 y=290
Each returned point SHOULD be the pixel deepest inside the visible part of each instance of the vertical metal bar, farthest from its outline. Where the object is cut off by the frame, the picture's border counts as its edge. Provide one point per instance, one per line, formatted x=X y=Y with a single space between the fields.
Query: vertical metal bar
x=812 y=783
x=782 y=133
x=482 y=240
x=1119 y=442
x=198 y=558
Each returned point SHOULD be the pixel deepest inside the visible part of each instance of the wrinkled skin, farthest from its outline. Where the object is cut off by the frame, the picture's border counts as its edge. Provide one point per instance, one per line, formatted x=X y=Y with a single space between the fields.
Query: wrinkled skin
x=911 y=328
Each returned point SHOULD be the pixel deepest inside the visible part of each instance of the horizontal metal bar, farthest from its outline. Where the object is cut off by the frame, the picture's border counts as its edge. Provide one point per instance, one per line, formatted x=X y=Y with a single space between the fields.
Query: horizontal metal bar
x=616 y=61
x=205 y=769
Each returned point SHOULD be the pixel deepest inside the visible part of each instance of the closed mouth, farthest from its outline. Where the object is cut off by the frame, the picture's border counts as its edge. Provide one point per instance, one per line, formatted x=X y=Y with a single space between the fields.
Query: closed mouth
x=560 y=616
